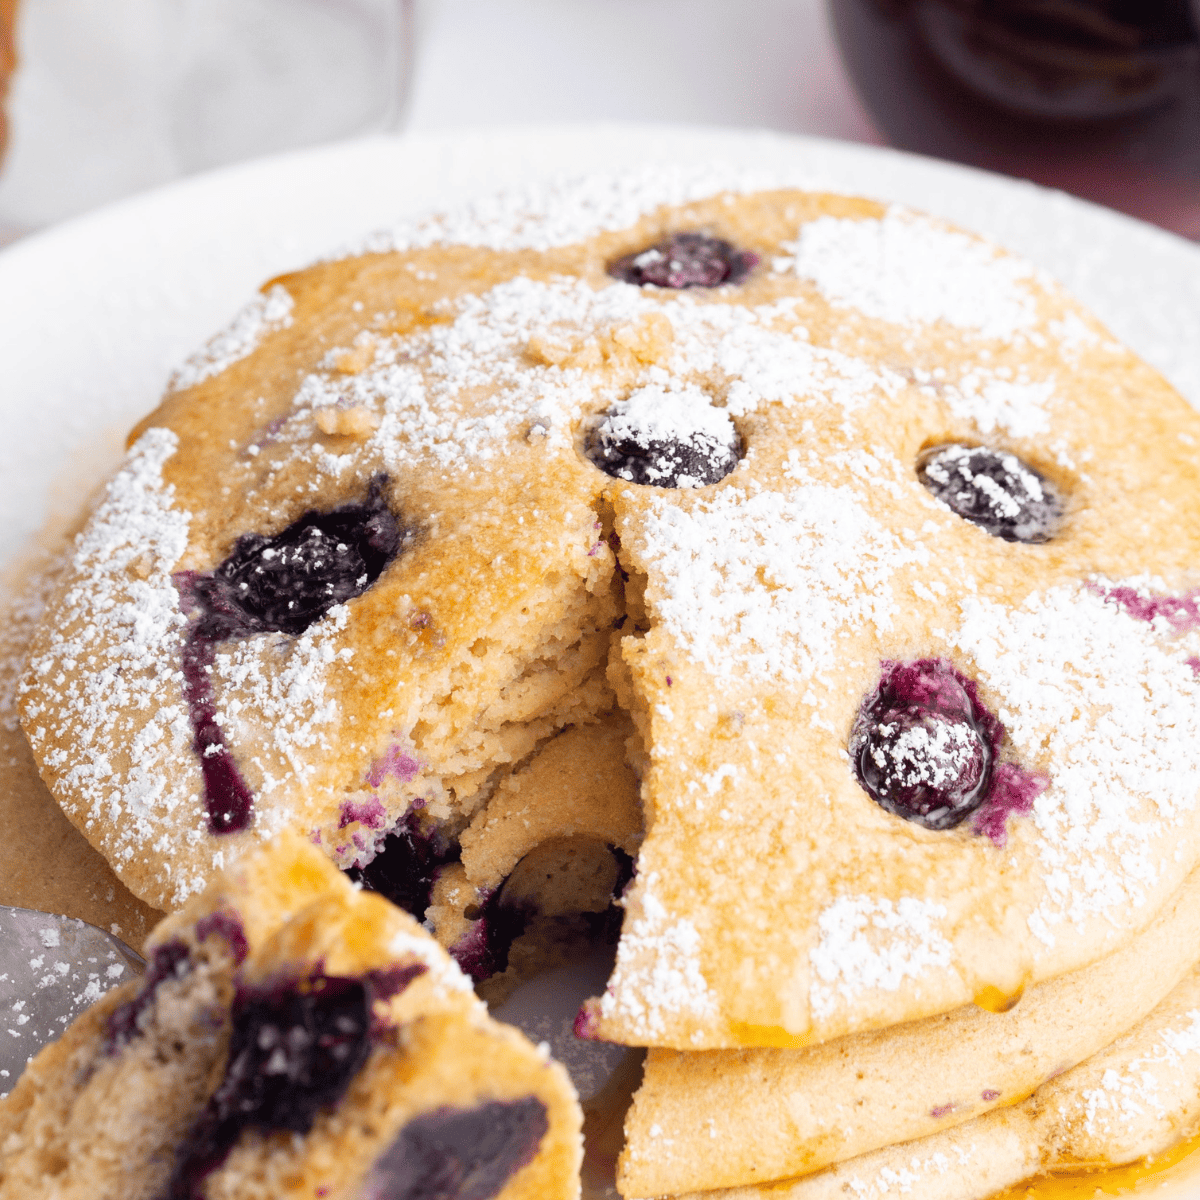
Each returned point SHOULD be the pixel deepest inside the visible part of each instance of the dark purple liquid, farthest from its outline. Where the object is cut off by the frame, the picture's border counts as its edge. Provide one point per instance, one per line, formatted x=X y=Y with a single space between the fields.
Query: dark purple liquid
x=227 y=798
x=1098 y=97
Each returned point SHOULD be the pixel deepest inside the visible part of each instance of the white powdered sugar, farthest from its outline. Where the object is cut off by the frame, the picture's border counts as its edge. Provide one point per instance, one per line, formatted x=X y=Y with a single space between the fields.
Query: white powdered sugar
x=562 y=212
x=1144 y=1086
x=936 y=756
x=761 y=584
x=123 y=624
x=657 y=975
x=1019 y=407
x=281 y=680
x=657 y=413
x=908 y=269
x=1116 y=709
x=866 y=943
x=682 y=419
x=267 y=312
x=433 y=411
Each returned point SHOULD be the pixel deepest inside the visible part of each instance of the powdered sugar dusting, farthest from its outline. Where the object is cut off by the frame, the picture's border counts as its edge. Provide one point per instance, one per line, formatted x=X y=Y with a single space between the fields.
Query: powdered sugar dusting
x=1116 y=709
x=908 y=269
x=433 y=410
x=281 y=680
x=267 y=312
x=123 y=621
x=562 y=212
x=763 y=583
x=657 y=975
x=1019 y=407
x=1142 y=1086
x=866 y=944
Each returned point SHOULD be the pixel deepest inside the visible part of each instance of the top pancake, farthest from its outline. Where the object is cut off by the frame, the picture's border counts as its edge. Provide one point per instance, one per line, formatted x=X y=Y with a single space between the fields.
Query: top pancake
x=774 y=902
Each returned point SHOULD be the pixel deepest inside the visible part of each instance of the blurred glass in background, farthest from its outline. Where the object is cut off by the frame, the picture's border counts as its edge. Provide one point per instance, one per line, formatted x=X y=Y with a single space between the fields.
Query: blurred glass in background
x=1098 y=97
x=112 y=96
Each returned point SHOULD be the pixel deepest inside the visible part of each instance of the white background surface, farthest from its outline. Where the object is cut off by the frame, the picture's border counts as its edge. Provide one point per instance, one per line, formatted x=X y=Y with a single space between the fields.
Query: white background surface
x=750 y=63
x=95 y=113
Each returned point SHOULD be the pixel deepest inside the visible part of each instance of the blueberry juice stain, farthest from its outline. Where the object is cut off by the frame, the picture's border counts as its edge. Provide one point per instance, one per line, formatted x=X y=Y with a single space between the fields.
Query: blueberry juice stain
x=277 y=584
x=295 y=1047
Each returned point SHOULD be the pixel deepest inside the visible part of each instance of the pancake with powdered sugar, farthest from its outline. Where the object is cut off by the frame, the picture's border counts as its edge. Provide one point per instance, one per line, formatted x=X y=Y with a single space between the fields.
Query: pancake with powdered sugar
x=878 y=551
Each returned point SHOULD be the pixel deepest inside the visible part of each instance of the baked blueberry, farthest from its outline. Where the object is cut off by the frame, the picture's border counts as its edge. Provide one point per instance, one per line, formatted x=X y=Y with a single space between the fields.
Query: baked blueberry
x=923 y=745
x=293 y=1050
x=993 y=489
x=674 y=439
x=685 y=260
x=291 y=579
x=282 y=583
x=459 y=1153
x=406 y=867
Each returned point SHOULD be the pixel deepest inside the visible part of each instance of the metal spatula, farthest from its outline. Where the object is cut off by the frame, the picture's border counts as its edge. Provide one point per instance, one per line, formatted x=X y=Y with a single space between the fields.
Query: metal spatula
x=51 y=969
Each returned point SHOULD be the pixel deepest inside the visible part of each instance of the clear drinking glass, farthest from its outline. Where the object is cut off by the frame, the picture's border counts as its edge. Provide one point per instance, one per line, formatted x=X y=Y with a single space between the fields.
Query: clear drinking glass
x=112 y=96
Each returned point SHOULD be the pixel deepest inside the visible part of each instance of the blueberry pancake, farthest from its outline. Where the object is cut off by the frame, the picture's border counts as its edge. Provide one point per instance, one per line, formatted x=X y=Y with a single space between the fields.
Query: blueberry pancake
x=292 y=1037
x=1128 y=1105
x=723 y=1118
x=881 y=548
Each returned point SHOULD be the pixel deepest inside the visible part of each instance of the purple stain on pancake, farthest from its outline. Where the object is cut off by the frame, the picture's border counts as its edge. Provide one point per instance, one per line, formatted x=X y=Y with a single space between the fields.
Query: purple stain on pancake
x=169 y=961
x=459 y=1153
x=685 y=260
x=227 y=925
x=1012 y=793
x=295 y=1046
x=281 y=583
x=387 y=982
x=989 y=1095
x=1182 y=613
x=369 y=812
x=227 y=797
x=394 y=762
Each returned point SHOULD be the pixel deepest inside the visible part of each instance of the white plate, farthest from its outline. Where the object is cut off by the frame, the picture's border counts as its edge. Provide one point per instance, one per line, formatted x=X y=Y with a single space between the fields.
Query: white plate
x=95 y=312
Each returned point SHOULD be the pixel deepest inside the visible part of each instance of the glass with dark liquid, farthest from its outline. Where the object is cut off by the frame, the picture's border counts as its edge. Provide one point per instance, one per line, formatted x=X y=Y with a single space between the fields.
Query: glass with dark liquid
x=1098 y=97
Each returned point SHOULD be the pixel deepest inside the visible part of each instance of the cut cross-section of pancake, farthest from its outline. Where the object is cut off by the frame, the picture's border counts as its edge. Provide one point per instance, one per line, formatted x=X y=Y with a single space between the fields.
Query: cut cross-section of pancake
x=292 y=1037
x=883 y=546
